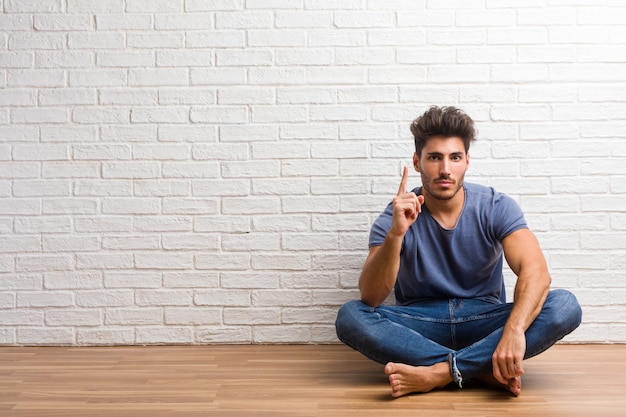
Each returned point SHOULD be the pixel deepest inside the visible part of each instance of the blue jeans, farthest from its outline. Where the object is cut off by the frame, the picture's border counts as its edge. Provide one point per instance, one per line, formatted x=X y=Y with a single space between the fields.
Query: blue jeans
x=464 y=332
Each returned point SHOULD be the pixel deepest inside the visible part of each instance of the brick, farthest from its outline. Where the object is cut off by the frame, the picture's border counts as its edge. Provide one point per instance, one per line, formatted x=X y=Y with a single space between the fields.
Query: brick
x=71 y=280
x=164 y=335
x=251 y=242
x=280 y=186
x=295 y=223
x=243 y=20
x=217 y=39
x=345 y=37
x=160 y=260
x=282 y=333
x=103 y=224
x=47 y=299
x=194 y=316
x=74 y=317
x=252 y=317
x=45 y=336
x=249 y=280
x=176 y=96
x=290 y=262
x=184 y=58
x=279 y=114
x=186 y=133
x=43 y=224
x=158 y=77
x=251 y=169
x=63 y=23
x=114 y=21
x=220 y=151
x=149 y=297
x=272 y=298
x=64 y=96
x=108 y=298
x=220 y=334
x=298 y=281
x=70 y=244
x=26 y=282
x=36 y=41
x=95 y=40
x=155 y=6
x=219 y=297
x=32 y=188
x=18 y=134
x=369 y=56
x=103 y=7
x=220 y=187
x=104 y=260
x=15 y=22
x=131 y=243
x=163 y=224
x=277 y=38
x=35 y=263
x=338 y=113
x=156 y=40
x=39 y=115
x=161 y=151
x=246 y=95
x=17 y=97
x=194 y=241
x=395 y=37
x=105 y=337
x=103 y=188
x=190 y=170
x=182 y=21
x=40 y=152
x=21 y=318
x=310 y=315
x=303 y=19
x=134 y=316
x=131 y=170
x=191 y=279
x=161 y=188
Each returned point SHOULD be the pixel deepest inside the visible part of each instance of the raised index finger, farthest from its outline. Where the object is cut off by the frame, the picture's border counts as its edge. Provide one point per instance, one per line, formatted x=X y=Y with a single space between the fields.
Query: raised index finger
x=405 y=179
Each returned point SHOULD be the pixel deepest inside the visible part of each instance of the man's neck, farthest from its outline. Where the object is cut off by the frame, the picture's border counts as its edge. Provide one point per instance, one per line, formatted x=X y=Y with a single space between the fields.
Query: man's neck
x=446 y=212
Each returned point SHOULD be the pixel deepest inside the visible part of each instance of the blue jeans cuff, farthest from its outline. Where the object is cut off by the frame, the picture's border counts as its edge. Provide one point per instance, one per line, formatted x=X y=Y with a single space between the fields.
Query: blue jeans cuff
x=456 y=374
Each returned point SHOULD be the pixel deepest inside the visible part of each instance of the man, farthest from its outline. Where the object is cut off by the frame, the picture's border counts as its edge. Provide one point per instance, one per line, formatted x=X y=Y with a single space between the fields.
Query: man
x=440 y=247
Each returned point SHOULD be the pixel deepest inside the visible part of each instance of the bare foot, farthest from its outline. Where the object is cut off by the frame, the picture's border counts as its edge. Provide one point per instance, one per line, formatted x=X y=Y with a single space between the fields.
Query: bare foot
x=514 y=386
x=407 y=379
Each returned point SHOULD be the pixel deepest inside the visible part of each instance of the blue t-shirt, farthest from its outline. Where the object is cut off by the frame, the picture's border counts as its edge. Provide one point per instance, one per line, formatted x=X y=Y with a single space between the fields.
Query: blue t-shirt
x=463 y=262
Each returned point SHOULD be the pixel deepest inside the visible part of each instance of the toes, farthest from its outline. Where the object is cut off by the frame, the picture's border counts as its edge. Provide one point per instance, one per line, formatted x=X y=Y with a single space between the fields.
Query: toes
x=389 y=368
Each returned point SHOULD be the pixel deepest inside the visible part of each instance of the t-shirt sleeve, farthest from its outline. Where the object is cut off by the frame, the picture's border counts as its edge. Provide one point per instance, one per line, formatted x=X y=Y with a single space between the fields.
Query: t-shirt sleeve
x=381 y=226
x=508 y=217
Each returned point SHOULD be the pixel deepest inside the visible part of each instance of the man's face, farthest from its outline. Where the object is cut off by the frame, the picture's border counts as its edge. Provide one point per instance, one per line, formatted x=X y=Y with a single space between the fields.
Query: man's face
x=442 y=166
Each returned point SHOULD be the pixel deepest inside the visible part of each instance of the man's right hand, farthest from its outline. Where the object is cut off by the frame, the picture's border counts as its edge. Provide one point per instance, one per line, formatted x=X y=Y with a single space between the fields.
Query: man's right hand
x=406 y=208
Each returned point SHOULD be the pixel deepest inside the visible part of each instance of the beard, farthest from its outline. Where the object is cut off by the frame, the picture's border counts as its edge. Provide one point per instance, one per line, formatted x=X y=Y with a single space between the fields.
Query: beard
x=435 y=191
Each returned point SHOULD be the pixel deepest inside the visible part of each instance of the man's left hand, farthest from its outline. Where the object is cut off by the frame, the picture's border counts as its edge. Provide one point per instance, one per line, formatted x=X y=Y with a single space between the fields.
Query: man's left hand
x=508 y=356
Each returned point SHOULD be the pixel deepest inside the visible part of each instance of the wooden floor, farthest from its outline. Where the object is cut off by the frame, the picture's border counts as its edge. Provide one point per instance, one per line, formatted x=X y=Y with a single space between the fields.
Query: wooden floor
x=293 y=381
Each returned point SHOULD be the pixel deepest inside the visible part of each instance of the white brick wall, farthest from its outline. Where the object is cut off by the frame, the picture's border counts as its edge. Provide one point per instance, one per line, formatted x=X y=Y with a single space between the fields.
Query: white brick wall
x=187 y=171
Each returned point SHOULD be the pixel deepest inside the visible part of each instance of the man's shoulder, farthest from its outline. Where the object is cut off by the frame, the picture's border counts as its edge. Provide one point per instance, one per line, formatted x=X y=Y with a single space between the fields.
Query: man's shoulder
x=483 y=191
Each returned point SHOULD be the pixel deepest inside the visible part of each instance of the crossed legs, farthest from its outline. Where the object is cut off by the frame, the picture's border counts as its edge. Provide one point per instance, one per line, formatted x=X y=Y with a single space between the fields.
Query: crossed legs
x=429 y=345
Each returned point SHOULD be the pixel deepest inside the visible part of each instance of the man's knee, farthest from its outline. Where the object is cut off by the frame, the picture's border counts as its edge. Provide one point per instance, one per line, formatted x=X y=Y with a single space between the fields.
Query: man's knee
x=350 y=318
x=567 y=311
x=346 y=315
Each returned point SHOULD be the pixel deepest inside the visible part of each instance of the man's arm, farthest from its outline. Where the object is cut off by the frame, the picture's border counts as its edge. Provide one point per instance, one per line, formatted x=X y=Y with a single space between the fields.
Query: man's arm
x=383 y=262
x=524 y=256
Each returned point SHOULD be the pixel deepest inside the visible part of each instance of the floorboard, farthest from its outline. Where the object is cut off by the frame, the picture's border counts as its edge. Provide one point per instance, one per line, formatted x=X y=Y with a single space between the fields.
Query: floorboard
x=287 y=380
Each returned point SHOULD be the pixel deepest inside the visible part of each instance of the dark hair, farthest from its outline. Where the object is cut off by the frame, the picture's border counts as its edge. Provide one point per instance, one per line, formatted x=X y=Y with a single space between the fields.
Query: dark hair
x=442 y=121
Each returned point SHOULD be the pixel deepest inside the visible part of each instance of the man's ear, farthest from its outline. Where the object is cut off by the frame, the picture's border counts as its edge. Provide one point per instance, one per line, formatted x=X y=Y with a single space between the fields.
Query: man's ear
x=416 y=162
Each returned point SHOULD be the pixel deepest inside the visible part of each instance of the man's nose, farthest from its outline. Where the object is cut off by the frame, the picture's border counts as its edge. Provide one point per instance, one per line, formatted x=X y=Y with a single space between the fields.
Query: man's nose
x=444 y=169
